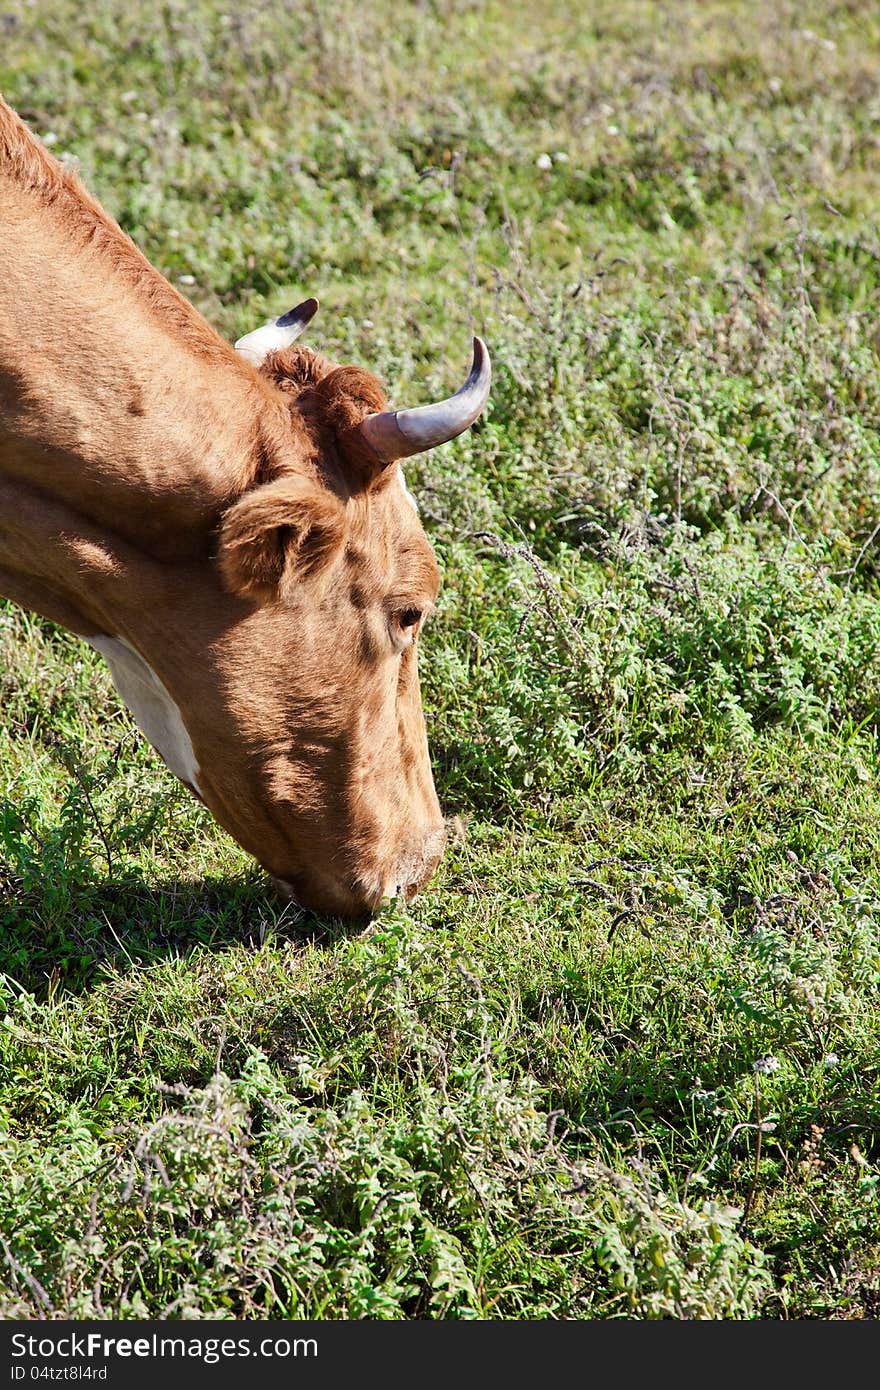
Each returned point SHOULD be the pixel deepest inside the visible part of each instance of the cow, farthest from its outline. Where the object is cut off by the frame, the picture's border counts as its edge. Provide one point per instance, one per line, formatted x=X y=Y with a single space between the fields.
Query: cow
x=231 y=530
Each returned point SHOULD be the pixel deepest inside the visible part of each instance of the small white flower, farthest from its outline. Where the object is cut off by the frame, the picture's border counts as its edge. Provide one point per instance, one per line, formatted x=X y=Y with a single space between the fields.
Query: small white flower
x=187 y=279
x=367 y=323
x=50 y=138
x=765 y=1065
x=560 y=157
x=613 y=130
x=544 y=161
x=831 y=1059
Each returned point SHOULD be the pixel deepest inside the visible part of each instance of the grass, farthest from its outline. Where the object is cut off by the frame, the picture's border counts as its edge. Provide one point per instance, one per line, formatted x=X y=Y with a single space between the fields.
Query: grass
x=621 y=1059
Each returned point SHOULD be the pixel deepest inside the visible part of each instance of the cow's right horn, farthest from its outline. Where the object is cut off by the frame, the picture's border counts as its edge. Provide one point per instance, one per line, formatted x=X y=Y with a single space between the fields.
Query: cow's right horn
x=278 y=334
x=396 y=434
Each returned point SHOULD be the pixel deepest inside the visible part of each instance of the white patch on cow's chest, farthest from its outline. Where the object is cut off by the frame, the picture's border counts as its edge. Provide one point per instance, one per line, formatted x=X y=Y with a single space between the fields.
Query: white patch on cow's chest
x=155 y=713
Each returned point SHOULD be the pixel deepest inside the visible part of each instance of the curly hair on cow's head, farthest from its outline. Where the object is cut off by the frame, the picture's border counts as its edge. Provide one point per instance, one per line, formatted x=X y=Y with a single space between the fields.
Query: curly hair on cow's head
x=295 y=369
x=337 y=398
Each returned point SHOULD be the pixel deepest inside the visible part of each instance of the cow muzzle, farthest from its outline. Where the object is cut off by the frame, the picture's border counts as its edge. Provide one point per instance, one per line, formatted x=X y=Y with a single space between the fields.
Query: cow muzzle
x=361 y=896
x=416 y=867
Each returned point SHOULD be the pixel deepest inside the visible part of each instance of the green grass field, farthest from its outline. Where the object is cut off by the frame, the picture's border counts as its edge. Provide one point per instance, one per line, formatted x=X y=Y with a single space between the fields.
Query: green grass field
x=621 y=1058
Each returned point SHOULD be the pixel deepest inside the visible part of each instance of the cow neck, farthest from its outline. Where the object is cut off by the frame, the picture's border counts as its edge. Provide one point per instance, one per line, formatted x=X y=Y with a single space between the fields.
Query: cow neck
x=116 y=398
x=160 y=626
x=92 y=581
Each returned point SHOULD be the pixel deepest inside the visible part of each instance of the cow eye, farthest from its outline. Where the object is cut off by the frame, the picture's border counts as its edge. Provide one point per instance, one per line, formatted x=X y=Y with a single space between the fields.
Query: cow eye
x=405 y=624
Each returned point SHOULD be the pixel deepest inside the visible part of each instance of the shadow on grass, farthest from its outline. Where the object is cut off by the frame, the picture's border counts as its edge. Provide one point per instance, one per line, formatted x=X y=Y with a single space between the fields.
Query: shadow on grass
x=66 y=915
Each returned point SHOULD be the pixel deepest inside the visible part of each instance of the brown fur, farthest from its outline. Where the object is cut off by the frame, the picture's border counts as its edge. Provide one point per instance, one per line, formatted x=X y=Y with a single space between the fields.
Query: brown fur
x=28 y=164
x=230 y=526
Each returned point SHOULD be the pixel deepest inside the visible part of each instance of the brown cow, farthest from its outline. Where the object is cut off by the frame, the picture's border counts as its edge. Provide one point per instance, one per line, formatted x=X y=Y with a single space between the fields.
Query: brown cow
x=231 y=531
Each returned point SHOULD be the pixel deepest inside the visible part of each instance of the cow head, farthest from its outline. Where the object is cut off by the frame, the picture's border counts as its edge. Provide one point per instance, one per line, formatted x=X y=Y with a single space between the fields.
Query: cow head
x=231 y=532
x=336 y=578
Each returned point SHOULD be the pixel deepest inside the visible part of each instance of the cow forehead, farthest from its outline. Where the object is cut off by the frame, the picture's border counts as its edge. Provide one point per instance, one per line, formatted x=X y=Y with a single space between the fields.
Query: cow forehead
x=388 y=551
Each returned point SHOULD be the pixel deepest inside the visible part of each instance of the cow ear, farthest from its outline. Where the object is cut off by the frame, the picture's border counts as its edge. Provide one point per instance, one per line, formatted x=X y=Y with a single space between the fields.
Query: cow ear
x=285 y=529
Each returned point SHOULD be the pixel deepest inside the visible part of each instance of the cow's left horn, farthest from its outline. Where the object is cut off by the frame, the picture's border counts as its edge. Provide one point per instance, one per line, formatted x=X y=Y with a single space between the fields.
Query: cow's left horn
x=396 y=434
x=278 y=334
